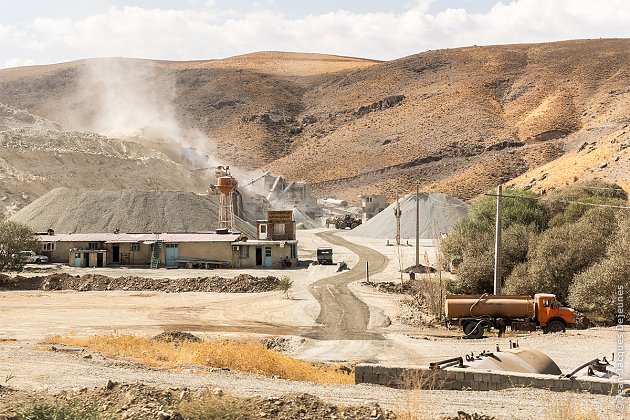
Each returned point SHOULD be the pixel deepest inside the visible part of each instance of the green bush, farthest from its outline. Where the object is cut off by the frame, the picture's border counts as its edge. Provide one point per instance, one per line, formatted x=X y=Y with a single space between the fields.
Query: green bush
x=562 y=252
x=14 y=238
x=66 y=411
x=598 y=289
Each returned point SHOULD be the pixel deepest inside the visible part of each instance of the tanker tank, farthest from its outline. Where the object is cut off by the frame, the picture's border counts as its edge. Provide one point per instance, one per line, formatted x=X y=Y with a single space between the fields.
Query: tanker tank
x=463 y=306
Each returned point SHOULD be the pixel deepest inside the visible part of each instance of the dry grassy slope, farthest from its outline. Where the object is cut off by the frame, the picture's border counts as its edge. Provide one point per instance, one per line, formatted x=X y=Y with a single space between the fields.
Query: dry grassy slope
x=468 y=117
x=460 y=105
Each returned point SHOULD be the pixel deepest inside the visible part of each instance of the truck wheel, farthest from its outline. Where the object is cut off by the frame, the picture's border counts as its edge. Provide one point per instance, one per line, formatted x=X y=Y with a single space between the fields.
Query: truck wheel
x=555 y=326
x=38 y=261
x=353 y=225
x=473 y=330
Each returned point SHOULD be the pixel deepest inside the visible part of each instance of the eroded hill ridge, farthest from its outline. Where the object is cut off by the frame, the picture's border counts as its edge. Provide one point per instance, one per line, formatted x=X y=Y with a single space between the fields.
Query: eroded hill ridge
x=454 y=120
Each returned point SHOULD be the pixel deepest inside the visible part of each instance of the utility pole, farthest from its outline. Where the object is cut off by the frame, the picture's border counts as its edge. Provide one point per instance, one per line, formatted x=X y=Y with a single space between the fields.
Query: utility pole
x=497 y=243
x=417 y=225
x=397 y=213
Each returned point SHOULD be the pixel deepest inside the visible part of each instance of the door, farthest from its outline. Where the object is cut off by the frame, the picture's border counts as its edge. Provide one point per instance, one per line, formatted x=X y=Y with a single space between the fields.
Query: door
x=99 y=259
x=268 y=259
x=116 y=253
x=172 y=253
x=86 y=259
x=259 y=258
x=262 y=231
x=77 y=259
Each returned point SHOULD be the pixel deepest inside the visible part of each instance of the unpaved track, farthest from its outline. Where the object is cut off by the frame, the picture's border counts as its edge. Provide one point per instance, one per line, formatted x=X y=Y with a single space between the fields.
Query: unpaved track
x=343 y=316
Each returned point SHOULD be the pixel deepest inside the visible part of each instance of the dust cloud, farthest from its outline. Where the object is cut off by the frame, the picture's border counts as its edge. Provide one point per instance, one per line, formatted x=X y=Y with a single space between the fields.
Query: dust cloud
x=134 y=100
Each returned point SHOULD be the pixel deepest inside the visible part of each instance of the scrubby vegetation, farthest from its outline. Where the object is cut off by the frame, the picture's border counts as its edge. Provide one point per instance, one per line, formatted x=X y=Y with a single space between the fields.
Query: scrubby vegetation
x=241 y=355
x=570 y=242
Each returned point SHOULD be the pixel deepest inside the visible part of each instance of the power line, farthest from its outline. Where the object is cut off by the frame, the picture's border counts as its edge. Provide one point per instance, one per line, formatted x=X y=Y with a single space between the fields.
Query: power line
x=560 y=200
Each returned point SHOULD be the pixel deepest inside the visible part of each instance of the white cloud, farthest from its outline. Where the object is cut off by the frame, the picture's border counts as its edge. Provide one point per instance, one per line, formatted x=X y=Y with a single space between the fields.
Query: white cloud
x=211 y=32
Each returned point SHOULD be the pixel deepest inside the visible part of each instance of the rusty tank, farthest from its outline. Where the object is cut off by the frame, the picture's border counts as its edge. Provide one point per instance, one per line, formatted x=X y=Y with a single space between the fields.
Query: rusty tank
x=495 y=306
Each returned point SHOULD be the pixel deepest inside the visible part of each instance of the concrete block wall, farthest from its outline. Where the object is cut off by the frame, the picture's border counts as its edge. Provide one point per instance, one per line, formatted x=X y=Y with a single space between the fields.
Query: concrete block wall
x=479 y=380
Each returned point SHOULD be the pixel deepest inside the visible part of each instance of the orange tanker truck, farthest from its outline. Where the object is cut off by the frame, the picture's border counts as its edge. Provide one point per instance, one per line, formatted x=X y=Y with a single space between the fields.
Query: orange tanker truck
x=475 y=313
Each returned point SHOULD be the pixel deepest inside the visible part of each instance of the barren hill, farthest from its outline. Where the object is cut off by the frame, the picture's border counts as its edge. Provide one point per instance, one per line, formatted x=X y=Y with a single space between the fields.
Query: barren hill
x=456 y=120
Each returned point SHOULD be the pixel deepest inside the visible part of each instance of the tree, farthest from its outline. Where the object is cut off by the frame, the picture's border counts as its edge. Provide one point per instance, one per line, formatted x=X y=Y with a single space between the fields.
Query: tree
x=470 y=245
x=561 y=252
x=604 y=289
x=285 y=284
x=15 y=237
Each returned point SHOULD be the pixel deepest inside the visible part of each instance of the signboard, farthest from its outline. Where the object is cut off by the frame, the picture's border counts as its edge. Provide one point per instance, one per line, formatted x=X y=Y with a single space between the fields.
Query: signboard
x=280 y=216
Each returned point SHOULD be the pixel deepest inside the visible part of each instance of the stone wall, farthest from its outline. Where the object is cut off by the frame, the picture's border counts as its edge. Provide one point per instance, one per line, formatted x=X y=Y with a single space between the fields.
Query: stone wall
x=479 y=380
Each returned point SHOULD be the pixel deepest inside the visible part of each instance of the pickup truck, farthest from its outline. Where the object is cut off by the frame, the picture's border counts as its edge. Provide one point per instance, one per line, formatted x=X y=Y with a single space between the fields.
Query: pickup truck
x=32 y=257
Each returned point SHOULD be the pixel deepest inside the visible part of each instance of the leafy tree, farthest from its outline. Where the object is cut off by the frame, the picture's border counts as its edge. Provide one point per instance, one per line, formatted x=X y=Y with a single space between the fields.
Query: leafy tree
x=519 y=207
x=605 y=286
x=562 y=206
x=562 y=252
x=14 y=238
x=470 y=245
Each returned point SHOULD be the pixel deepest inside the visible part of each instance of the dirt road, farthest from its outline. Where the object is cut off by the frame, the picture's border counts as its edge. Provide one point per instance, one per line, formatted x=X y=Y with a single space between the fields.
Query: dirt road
x=342 y=314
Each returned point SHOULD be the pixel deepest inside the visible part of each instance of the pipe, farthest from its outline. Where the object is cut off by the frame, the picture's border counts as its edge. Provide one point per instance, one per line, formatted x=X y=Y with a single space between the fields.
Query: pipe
x=451 y=362
x=579 y=368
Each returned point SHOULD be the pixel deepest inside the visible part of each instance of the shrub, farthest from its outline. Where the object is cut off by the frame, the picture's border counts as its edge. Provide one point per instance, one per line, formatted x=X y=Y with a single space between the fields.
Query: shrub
x=564 y=251
x=14 y=238
x=285 y=284
x=597 y=290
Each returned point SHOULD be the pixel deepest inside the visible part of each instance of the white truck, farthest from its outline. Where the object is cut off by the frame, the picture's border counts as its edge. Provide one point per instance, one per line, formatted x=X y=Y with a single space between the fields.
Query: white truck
x=32 y=257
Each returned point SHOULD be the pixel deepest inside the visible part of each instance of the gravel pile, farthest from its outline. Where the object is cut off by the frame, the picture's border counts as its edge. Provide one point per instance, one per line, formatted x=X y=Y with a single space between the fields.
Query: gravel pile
x=89 y=211
x=243 y=283
x=414 y=302
x=438 y=213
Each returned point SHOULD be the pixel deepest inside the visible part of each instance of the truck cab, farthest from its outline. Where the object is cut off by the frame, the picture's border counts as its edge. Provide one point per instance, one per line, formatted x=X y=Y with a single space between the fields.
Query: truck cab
x=551 y=316
x=324 y=255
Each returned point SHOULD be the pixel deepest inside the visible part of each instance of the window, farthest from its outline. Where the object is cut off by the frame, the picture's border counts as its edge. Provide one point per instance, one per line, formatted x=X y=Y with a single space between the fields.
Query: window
x=244 y=251
x=48 y=246
x=135 y=247
x=95 y=245
x=278 y=229
x=263 y=228
x=172 y=245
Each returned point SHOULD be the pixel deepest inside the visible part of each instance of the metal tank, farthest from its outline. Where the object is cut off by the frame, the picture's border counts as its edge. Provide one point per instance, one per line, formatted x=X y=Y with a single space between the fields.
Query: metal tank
x=226 y=184
x=465 y=306
x=520 y=359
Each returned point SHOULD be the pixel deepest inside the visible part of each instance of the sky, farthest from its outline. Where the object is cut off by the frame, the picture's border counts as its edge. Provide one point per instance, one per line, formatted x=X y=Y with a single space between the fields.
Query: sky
x=44 y=32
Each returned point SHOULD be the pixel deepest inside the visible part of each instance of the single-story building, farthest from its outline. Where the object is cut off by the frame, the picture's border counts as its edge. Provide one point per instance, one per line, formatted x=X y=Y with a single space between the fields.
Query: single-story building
x=187 y=250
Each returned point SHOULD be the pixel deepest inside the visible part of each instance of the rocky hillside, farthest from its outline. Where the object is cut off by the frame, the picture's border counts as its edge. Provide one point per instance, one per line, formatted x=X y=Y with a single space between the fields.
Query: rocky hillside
x=455 y=120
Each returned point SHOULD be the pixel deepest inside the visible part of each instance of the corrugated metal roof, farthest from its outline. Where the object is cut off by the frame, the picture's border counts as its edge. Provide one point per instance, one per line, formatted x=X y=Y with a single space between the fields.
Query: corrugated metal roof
x=142 y=237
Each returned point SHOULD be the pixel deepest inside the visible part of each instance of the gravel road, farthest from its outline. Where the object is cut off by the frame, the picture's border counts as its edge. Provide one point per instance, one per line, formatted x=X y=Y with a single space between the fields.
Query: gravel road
x=342 y=314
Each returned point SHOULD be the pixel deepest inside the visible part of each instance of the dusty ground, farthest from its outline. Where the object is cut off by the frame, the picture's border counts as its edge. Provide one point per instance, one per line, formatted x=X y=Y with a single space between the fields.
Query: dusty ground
x=29 y=316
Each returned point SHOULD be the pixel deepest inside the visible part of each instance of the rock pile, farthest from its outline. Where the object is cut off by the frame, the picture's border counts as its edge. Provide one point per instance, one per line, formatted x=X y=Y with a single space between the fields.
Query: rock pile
x=137 y=401
x=243 y=283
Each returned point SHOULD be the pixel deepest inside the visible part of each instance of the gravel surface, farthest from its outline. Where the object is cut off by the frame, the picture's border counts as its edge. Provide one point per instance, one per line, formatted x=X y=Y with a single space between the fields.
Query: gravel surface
x=243 y=283
x=87 y=211
x=57 y=371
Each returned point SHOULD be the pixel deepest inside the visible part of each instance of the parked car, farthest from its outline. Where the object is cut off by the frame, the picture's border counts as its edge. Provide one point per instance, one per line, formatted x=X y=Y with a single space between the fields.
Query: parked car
x=32 y=257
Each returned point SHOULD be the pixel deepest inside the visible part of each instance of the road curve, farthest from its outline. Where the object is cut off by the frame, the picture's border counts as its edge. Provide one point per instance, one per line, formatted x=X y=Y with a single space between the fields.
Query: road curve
x=343 y=316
